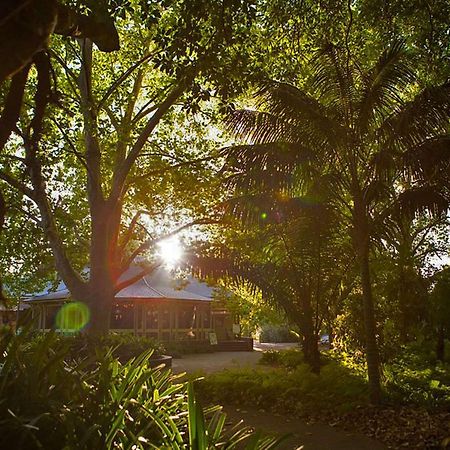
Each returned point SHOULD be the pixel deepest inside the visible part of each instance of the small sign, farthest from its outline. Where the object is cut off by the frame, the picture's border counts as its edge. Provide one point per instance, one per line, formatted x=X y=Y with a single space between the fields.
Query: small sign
x=236 y=328
x=213 y=338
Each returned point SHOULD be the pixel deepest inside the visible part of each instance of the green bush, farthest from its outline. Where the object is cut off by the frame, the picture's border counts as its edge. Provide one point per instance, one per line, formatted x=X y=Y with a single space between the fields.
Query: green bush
x=288 y=358
x=297 y=390
x=80 y=346
x=276 y=333
x=124 y=346
x=414 y=376
x=48 y=400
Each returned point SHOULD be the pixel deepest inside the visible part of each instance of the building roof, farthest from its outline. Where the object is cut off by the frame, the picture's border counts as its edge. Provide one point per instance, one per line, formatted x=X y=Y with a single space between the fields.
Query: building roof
x=160 y=284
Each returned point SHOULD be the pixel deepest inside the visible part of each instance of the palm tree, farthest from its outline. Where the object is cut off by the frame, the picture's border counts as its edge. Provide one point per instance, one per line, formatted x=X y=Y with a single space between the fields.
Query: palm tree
x=350 y=132
x=291 y=252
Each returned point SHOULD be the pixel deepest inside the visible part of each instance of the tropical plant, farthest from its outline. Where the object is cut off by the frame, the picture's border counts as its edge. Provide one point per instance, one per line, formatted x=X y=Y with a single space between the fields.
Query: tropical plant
x=48 y=400
x=291 y=252
x=440 y=305
x=350 y=132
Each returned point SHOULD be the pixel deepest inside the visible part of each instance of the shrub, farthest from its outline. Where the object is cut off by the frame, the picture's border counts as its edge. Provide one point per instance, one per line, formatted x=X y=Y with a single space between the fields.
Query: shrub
x=298 y=390
x=124 y=346
x=276 y=333
x=415 y=376
x=48 y=400
x=80 y=346
x=179 y=348
x=288 y=358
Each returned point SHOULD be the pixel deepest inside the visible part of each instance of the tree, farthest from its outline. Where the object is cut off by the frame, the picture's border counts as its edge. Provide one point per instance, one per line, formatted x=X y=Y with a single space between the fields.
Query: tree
x=93 y=129
x=25 y=28
x=404 y=259
x=288 y=249
x=349 y=130
x=440 y=301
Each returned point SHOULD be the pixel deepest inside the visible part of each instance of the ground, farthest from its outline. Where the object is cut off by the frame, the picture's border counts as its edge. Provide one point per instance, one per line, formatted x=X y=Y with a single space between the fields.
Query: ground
x=303 y=435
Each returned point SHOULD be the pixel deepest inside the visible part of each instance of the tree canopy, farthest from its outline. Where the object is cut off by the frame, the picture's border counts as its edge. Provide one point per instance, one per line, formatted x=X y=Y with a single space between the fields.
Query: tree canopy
x=309 y=141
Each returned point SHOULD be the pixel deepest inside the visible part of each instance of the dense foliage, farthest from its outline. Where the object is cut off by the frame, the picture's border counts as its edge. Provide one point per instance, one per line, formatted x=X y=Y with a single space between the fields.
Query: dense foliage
x=49 y=400
x=309 y=140
x=415 y=410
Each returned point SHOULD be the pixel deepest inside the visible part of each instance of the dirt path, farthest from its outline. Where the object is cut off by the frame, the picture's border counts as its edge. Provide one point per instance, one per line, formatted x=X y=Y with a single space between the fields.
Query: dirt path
x=215 y=362
x=304 y=436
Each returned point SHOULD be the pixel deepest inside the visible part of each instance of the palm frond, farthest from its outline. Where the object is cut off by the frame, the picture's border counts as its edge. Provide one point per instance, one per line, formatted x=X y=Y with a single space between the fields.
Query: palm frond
x=271 y=208
x=256 y=277
x=257 y=179
x=259 y=127
x=423 y=199
x=333 y=81
x=383 y=164
x=430 y=160
x=306 y=115
x=279 y=156
x=425 y=116
x=376 y=190
x=267 y=167
x=381 y=85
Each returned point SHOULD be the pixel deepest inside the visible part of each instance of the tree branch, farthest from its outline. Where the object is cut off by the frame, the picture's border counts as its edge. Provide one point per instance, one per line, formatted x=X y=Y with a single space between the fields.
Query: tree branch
x=124 y=76
x=137 y=277
x=69 y=275
x=13 y=103
x=115 y=123
x=122 y=172
x=93 y=152
x=149 y=243
x=144 y=111
x=75 y=151
x=131 y=227
x=166 y=169
x=16 y=184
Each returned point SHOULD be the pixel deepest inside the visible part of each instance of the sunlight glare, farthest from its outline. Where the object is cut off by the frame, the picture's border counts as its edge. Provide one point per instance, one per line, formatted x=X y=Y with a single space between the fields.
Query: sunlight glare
x=170 y=251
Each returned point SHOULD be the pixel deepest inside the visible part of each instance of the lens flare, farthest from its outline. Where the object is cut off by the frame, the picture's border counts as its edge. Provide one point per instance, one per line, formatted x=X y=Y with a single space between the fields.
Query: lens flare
x=170 y=251
x=73 y=316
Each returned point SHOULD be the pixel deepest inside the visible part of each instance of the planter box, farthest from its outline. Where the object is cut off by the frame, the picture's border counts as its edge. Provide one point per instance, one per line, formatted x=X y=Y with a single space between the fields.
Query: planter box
x=161 y=360
x=243 y=344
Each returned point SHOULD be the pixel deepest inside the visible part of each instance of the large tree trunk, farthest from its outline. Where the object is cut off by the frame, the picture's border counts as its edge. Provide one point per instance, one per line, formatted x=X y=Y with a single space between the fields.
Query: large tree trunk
x=311 y=352
x=362 y=245
x=99 y=301
x=440 y=347
x=373 y=362
x=310 y=345
x=101 y=280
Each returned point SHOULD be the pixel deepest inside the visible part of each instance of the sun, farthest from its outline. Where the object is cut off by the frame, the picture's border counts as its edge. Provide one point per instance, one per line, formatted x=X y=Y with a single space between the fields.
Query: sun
x=170 y=251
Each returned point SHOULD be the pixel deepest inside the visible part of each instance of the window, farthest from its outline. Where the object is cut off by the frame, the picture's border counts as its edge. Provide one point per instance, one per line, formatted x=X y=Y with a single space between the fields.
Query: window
x=186 y=317
x=50 y=315
x=151 y=317
x=122 y=316
x=206 y=318
x=165 y=318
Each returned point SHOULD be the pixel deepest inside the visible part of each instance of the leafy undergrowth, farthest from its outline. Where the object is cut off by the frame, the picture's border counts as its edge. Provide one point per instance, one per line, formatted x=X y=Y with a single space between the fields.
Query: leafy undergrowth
x=415 y=377
x=123 y=346
x=400 y=427
x=338 y=396
x=177 y=349
x=295 y=389
x=51 y=401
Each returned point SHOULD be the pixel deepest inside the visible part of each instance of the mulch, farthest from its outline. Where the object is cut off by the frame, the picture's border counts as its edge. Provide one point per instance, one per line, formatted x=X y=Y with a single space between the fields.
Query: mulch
x=400 y=427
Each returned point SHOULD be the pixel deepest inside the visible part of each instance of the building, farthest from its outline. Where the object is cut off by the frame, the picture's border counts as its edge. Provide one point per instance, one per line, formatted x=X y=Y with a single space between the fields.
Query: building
x=156 y=306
